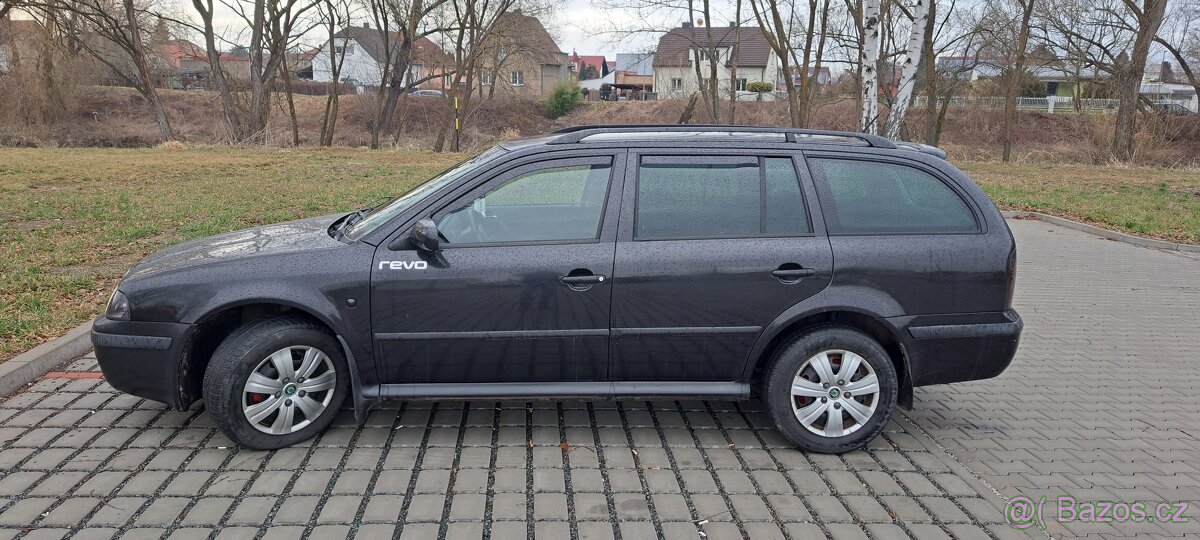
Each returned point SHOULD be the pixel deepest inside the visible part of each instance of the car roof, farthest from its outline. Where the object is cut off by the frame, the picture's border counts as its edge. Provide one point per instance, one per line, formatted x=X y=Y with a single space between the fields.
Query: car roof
x=674 y=134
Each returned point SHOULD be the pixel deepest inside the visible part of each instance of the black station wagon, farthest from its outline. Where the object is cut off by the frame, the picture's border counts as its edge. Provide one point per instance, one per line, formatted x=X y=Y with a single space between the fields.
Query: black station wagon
x=826 y=273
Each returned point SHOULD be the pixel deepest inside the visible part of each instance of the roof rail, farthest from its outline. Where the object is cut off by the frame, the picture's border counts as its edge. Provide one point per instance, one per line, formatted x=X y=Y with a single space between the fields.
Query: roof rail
x=576 y=134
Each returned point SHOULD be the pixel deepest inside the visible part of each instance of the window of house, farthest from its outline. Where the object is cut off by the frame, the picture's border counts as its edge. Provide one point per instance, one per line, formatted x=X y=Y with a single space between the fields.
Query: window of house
x=347 y=49
x=447 y=80
x=704 y=54
x=740 y=85
x=676 y=83
x=868 y=197
x=558 y=201
x=487 y=78
x=718 y=196
x=517 y=78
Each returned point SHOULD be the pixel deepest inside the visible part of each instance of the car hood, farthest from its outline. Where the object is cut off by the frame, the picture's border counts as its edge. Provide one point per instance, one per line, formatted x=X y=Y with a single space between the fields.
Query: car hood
x=289 y=237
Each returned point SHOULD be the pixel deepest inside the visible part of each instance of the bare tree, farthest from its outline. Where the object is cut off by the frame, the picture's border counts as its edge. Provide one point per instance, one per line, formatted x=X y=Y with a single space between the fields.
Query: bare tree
x=204 y=8
x=1114 y=36
x=1015 y=70
x=1182 y=39
x=869 y=119
x=409 y=19
x=335 y=14
x=769 y=15
x=908 y=73
x=111 y=33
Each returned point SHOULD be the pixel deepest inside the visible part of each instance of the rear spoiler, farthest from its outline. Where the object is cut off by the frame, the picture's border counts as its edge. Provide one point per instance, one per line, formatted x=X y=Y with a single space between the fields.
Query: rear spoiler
x=922 y=148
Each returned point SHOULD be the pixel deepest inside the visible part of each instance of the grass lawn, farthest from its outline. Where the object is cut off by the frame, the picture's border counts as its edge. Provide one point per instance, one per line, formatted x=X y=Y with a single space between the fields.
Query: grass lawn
x=73 y=220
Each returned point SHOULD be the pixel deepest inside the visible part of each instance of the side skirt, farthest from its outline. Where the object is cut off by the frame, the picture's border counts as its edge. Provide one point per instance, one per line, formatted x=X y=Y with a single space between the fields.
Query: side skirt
x=596 y=390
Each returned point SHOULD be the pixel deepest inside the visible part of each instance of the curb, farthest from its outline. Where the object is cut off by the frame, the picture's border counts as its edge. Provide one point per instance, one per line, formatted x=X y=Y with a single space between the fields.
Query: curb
x=1105 y=233
x=38 y=361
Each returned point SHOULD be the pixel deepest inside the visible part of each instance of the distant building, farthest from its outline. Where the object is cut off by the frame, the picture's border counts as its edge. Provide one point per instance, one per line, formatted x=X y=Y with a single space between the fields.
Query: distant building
x=526 y=62
x=675 y=73
x=366 y=57
x=588 y=66
x=636 y=63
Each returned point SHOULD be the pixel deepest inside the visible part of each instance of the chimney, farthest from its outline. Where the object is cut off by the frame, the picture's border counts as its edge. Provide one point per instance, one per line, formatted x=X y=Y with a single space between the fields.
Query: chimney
x=367 y=25
x=733 y=24
x=516 y=11
x=687 y=24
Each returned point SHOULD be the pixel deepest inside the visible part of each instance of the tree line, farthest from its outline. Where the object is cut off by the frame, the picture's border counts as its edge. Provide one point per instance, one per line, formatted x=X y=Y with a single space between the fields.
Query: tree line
x=890 y=47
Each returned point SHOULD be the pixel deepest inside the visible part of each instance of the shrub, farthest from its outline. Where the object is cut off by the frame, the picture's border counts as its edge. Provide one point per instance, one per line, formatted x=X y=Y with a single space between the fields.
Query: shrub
x=760 y=87
x=562 y=100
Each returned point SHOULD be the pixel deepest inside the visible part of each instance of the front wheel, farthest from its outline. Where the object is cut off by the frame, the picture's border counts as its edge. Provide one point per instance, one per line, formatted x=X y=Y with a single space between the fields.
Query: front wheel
x=276 y=382
x=831 y=390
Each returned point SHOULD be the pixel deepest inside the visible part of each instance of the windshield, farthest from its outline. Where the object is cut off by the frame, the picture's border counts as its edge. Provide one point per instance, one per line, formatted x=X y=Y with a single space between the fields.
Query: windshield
x=384 y=214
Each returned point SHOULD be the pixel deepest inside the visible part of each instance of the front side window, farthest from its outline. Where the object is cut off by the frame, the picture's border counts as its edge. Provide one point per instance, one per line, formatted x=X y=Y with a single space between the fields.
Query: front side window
x=714 y=197
x=867 y=197
x=562 y=202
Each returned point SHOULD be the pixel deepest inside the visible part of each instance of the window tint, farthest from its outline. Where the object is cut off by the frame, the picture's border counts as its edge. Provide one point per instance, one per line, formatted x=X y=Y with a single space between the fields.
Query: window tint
x=863 y=197
x=681 y=197
x=548 y=204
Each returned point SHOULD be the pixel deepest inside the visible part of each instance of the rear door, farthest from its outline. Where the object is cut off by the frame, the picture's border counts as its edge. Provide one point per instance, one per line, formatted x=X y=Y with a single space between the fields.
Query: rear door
x=711 y=248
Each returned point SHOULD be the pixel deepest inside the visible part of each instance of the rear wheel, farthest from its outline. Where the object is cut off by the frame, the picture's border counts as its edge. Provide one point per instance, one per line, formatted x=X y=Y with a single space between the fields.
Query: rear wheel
x=831 y=390
x=276 y=382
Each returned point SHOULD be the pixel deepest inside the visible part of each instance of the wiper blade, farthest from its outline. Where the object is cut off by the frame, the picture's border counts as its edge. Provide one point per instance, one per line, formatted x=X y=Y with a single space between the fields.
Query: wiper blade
x=357 y=215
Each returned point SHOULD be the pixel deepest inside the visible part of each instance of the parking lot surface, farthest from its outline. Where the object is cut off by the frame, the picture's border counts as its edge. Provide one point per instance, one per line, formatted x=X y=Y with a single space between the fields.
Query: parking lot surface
x=1100 y=403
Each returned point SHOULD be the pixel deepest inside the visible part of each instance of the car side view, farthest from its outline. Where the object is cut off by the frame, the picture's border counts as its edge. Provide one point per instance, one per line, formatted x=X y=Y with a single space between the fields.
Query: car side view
x=825 y=273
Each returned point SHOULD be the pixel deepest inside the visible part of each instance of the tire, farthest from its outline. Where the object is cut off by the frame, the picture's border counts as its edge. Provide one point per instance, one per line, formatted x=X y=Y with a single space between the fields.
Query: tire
x=264 y=348
x=818 y=404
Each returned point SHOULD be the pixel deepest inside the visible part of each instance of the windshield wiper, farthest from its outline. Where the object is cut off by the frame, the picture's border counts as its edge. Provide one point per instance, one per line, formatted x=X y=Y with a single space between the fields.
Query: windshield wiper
x=357 y=215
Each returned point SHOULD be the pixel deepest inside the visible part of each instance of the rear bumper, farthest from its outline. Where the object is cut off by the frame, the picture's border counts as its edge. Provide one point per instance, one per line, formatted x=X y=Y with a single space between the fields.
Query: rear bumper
x=963 y=348
x=142 y=358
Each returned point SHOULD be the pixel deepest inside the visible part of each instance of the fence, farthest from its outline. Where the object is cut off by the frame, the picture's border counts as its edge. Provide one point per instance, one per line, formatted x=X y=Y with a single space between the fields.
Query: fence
x=1052 y=104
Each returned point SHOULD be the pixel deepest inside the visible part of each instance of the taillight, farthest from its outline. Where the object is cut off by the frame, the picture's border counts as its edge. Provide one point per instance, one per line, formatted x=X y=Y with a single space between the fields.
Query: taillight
x=1012 y=277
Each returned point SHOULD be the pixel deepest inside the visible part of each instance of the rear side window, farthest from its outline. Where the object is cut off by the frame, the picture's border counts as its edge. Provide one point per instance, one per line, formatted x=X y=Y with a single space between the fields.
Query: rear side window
x=867 y=197
x=718 y=196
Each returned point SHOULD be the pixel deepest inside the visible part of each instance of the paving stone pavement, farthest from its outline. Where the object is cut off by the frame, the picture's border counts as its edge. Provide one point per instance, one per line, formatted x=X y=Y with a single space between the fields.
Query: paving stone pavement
x=1099 y=393
x=1103 y=399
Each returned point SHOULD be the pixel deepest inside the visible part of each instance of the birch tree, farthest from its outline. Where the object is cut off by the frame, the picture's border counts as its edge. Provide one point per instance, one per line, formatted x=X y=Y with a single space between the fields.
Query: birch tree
x=1014 y=80
x=869 y=119
x=908 y=72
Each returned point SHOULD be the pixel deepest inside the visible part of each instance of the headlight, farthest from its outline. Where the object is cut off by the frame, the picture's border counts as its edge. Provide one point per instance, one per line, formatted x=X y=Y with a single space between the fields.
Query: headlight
x=118 y=307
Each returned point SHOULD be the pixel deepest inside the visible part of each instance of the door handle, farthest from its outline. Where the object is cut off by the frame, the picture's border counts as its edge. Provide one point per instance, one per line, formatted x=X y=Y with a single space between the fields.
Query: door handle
x=582 y=280
x=793 y=274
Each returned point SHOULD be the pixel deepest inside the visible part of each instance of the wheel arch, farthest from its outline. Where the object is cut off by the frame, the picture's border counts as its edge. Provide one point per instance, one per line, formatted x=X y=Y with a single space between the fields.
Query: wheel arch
x=783 y=330
x=218 y=322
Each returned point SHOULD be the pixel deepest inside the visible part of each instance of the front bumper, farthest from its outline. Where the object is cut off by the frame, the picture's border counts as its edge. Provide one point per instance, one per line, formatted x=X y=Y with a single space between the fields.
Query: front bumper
x=143 y=358
x=962 y=348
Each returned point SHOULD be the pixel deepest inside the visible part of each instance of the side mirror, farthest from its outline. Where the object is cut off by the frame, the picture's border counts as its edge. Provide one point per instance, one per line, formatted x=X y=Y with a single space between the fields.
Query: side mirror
x=425 y=235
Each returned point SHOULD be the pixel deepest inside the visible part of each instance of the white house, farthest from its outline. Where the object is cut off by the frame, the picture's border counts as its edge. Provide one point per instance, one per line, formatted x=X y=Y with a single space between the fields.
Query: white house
x=365 y=50
x=675 y=75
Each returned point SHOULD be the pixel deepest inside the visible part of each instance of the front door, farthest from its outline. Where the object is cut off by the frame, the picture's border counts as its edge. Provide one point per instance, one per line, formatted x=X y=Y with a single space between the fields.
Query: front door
x=519 y=291
x=717 y=247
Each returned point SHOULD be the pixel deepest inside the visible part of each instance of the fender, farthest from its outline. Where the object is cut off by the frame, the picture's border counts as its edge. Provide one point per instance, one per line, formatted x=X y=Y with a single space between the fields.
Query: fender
x=321 y=308
x=865 y=301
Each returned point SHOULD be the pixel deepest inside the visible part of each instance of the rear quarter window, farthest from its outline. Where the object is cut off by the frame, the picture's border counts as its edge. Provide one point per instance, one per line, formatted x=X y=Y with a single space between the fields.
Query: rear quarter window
x=870 y=197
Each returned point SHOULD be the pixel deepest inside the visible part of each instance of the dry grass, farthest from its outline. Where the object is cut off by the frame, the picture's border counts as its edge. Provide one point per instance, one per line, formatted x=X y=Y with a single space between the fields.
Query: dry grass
x=1154 y=202
x=73 y=220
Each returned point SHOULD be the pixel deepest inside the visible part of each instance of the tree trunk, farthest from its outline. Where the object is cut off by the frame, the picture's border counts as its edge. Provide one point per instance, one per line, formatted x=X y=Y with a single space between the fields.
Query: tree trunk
x=908 y=73
x=214 y=64
x=396 y=87
x=688 y=110
x=869 y=120
x=143 y=72
x=932 y=128
x=1014 y=79
x=1129 y=77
